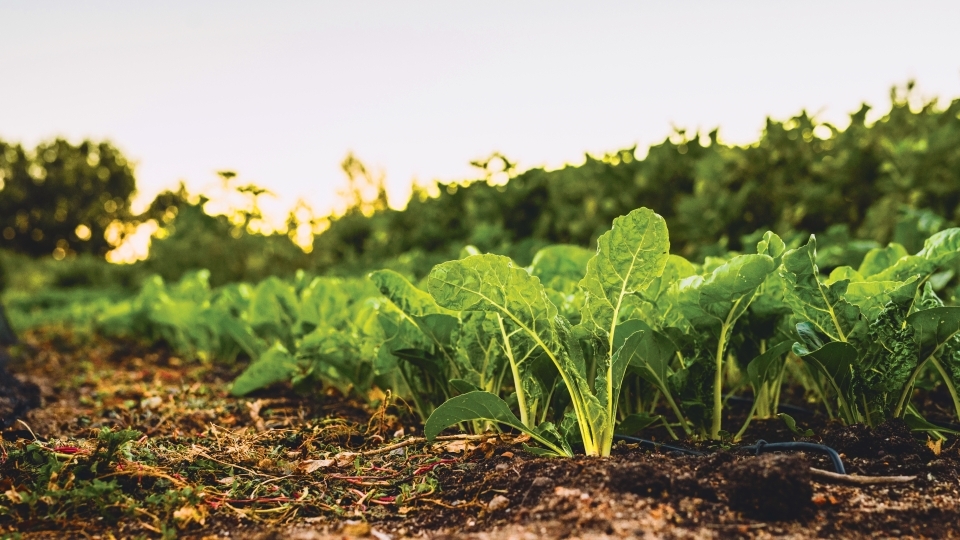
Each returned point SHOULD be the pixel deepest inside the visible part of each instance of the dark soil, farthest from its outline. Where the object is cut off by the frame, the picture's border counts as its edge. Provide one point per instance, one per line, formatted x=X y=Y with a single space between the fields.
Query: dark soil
x=16 y=396
x=468 y=489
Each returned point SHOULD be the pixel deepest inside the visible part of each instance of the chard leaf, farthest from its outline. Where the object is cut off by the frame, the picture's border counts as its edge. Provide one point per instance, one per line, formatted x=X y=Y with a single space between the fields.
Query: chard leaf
x=836 y=361
x=936 y=326
x=405 y=295
x=275 y=365
x=843 y=273
x=479 y=352
x=879 y=259
x=530 y=325
x=323 y=303
x=820 y=304
x=559 y=269
x=463 y=386
x=480 y=405
x=766 y=368
x=334 y=356
x=942 y=248
x=904 y=268
x=940 y=341
x=889 y=354
x=872 y=296
x=725 y=294
x=712 y=305
x=772 y=246
x=561 y=261
x=416 y=323
x=657 y=306
x=649 y=354
x=415 y=355
x=629 y=257
x=273 y=308
x=916 y=422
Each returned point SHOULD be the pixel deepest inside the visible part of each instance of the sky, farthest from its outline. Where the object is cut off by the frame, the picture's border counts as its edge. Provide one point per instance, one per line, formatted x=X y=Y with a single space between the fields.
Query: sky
x=282 y=91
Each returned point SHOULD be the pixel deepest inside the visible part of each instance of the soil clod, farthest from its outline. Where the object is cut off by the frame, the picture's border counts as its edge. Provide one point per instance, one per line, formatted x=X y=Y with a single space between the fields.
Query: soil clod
x=770 y=487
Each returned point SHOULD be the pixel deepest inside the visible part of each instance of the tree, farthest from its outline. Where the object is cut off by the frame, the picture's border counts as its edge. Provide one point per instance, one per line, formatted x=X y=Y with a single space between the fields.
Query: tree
x=62 y=199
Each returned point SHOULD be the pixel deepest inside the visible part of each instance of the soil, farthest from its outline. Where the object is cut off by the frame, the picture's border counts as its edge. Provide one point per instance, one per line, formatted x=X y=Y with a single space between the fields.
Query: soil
x=16 y=395
x=202 y=464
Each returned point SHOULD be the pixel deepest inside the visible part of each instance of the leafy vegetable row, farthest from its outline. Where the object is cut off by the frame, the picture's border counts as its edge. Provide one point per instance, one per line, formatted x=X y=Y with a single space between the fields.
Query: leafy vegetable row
x=582 y=344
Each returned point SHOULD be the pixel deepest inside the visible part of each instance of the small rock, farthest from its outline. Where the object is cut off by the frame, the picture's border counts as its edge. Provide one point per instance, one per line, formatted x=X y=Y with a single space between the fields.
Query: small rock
x=541 y=482
x=151 y=402
x=499 y=502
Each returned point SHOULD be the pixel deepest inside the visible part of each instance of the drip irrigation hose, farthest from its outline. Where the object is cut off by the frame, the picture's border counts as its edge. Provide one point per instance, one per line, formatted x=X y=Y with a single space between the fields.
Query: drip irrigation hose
x=764 y=446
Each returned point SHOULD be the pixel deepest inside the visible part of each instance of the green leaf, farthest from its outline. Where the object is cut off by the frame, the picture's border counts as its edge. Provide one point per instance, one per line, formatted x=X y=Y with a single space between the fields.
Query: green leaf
x=792 y=425
x=629 y=257
x=836 y=361
x=843 y=273
x=405 y=295
x=560 y=261
x=650 y=353
x=916 y=422
x=480 y=406
x=480 y=354
x=712 y=305
x=725 y=294
x=275 y=365
x=635 y=423
x=942 y=248
x=935 y=327
x=658 y=306
x=879 y=259
x=463 y=386
x=813 y=301
x=273 y=307
x=766 y=368
x=772 y=246
x=530 y=325
x=871 y=296
x=324 y=302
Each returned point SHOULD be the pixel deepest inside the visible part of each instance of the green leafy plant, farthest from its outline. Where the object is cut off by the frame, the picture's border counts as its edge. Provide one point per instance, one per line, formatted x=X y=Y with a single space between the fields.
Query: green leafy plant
x=628 y=258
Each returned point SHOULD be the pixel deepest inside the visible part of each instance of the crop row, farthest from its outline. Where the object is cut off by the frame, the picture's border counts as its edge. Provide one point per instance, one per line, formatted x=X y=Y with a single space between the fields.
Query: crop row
x=582 y=345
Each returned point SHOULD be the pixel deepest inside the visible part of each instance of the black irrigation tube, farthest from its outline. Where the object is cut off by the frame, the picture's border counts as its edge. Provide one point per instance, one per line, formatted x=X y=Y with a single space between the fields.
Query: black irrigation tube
x=764 y=446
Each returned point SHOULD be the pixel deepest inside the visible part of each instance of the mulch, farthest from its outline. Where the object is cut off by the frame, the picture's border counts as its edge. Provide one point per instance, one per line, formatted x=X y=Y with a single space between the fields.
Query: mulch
x=284 y=465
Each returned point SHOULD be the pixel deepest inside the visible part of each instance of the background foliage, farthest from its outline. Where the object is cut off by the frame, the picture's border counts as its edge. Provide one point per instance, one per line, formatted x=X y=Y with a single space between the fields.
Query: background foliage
x=897 y=179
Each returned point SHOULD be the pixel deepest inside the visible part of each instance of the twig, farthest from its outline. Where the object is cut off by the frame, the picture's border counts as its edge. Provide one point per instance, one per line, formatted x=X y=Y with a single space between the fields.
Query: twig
x=416 y=440
x=35 y=439
x=857 y=480
x=203 y=454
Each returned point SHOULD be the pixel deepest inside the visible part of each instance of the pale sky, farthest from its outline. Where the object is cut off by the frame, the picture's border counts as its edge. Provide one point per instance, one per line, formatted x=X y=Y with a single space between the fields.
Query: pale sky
x=281 y=91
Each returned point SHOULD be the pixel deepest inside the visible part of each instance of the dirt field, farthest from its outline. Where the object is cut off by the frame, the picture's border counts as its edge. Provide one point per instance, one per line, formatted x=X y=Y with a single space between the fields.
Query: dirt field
x=131 y=441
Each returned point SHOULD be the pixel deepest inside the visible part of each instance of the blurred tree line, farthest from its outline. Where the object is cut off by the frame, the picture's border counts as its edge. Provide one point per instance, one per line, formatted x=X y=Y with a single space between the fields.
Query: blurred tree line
x=895 y=179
